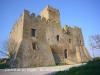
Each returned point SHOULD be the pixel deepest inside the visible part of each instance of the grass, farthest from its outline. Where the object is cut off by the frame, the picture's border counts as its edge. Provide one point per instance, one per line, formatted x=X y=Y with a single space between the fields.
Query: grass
x=57 y=64
x=3 y=65
x=91 y=68
x=61 y=64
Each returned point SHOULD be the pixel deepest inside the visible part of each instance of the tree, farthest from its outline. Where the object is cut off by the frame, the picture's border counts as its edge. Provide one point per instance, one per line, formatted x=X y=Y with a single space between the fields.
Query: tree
x=94 y=42
x=4 y=47
x=7 y=47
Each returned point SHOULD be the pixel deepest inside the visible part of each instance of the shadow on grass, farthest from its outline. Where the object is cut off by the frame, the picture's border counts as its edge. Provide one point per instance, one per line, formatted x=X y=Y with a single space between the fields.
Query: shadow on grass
x=50 y=73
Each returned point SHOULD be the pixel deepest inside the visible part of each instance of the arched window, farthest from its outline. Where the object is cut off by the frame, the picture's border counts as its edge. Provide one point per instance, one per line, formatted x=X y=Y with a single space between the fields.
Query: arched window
x=65 y=53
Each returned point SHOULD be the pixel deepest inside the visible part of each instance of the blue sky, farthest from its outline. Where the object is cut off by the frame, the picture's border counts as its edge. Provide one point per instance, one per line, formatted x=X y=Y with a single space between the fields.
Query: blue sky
x=82 y=13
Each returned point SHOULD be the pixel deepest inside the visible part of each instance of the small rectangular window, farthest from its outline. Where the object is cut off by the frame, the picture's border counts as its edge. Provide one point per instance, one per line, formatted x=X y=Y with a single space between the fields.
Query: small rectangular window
x=57 y=37
x=33 y=32
x=34 y=46
x=65 y=53
x=80 y=42
x=69 y=40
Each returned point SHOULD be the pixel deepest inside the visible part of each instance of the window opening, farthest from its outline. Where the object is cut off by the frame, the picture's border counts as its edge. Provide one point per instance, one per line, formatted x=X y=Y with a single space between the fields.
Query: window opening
x=65 y=53
x=33 y=32
x=34 y=46
x=57 y=37
x=69 y=40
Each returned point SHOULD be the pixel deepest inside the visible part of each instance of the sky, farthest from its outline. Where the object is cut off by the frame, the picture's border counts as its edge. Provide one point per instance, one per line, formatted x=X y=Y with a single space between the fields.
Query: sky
x=81 y=13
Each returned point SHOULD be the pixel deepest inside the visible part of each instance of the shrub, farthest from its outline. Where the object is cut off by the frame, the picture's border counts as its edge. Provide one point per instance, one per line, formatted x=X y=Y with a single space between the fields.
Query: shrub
x=3 y=65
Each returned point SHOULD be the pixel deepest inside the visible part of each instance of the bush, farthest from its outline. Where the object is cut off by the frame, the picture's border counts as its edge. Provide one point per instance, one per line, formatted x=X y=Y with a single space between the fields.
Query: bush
x=58 y=64
x=96 y=58
x=3 y=65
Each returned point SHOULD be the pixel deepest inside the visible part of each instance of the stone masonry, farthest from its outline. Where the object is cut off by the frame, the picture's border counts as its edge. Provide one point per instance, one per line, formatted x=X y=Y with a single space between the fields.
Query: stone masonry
x=41 y=41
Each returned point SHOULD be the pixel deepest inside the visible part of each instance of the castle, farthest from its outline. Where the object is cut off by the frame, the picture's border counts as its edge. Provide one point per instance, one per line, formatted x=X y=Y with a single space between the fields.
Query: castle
x=41 y=41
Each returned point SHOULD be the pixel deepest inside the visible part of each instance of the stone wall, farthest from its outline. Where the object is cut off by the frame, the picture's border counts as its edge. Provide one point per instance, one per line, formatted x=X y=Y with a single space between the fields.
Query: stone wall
x=15 y=39
x=82 y=54
x=42 y=56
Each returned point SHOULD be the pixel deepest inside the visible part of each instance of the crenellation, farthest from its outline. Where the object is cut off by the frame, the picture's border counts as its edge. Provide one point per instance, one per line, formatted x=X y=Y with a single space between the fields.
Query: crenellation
x=48 y=21
x=66 y=25
x=43 y=19
x=38 y=17
x=33 y=15
x=75 y=27
x=26 y=12
x=67 y=30
x=69 y=27
x=54 y=22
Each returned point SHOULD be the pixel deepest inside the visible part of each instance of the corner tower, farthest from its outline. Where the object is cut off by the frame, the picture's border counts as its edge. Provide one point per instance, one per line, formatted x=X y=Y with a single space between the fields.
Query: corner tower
x=51 y=14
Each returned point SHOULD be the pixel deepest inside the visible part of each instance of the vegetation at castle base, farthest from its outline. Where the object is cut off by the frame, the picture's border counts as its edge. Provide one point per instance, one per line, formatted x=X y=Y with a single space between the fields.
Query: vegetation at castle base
x=58 y=64
x=3 y=65
x=91 y=68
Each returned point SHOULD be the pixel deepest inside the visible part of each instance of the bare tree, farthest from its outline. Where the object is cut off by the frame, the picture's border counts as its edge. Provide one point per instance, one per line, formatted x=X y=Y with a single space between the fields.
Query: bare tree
x=94 y=42
x=4 y=47
x=7 y=47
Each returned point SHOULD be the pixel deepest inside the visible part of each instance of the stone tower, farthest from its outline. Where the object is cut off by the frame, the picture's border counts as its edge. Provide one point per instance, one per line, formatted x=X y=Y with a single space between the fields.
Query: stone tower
x=51 y=14
x=41 y=41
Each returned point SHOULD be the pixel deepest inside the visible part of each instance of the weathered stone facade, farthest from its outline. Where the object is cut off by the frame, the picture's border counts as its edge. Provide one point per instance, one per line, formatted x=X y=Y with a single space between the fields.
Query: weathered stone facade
x=49 y=44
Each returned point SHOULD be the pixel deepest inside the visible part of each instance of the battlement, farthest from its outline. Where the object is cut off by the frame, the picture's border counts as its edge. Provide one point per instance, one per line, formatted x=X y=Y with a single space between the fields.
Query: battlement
x=67 y=29
x=33 y=15
x=75 y=27
x=39 y=17
x=26 y=12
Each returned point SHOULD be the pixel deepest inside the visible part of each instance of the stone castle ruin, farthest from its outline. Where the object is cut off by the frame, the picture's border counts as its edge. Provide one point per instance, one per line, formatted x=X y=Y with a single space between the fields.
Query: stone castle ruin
x=41 y=41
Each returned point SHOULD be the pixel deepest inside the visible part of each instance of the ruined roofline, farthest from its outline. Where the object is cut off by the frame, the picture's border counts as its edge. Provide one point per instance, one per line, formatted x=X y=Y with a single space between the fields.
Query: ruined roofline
x=74 y=27
x=50 y=8
x=38 y=17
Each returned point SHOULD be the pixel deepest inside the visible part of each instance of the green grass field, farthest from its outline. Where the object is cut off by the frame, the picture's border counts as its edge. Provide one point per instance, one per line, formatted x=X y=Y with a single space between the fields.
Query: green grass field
x=91 y=68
